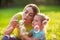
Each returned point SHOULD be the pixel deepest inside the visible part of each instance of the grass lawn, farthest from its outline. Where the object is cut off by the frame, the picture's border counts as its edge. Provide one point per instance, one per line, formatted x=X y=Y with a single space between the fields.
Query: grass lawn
x=53 y=27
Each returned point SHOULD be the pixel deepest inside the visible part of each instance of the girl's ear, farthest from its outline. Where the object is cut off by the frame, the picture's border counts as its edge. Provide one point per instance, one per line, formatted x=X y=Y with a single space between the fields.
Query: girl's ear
x=44 y=22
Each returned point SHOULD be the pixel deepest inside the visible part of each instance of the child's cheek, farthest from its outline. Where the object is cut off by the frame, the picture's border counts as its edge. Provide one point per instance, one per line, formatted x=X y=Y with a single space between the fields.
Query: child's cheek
x=41 y=28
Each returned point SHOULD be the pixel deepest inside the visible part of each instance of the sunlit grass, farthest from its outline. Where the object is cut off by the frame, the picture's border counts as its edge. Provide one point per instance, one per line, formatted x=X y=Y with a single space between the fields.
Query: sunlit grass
x=54 y=25
x=53 y=12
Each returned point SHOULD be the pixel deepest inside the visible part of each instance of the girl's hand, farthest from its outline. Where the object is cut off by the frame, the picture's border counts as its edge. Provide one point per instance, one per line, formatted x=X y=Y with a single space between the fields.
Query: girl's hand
x=30 y=35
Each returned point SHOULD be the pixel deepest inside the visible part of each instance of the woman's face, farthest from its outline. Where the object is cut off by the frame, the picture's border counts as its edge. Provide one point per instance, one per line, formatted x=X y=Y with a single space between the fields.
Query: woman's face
x=28 y=15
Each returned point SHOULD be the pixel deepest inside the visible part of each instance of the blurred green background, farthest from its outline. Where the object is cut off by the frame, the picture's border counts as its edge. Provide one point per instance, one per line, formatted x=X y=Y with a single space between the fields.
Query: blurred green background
x=51 y=8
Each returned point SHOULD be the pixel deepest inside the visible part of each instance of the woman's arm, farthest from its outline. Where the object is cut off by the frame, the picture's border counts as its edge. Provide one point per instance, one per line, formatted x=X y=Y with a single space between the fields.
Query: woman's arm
x=12 y=25
x=9 y=30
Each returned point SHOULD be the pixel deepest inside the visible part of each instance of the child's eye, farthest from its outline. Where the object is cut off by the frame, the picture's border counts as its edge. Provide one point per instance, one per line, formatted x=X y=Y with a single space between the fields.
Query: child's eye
x=36 y=20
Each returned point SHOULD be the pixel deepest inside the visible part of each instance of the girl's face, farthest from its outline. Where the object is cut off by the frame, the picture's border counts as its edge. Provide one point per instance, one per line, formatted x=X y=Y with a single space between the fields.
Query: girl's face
x=37 y=21
x=28 y=15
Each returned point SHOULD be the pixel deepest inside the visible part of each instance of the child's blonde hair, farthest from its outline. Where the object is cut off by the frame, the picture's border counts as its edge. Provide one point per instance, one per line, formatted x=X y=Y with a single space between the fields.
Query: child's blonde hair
x=44 y=18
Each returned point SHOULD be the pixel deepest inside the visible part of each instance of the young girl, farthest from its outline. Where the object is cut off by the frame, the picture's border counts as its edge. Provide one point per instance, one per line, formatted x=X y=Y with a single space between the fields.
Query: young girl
x=38 y=24
x=37 y=33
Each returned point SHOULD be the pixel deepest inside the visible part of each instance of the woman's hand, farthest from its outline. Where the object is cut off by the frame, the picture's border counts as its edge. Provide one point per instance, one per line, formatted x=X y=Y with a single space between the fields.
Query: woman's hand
x=14 y=24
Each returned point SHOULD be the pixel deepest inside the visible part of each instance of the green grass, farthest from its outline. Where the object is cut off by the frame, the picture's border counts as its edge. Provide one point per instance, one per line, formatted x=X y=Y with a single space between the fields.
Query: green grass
x=5 y=16
x=53 y=12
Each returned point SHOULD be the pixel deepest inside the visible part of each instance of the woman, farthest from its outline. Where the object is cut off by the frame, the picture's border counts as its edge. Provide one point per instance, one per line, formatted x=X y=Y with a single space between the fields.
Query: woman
x=27 y=15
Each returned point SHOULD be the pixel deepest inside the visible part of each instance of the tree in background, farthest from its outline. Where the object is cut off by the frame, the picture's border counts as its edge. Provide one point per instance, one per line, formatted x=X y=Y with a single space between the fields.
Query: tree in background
x=9 y=3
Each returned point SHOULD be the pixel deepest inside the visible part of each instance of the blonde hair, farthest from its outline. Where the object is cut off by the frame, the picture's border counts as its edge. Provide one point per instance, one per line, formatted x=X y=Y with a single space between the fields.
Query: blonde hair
x=43 y=17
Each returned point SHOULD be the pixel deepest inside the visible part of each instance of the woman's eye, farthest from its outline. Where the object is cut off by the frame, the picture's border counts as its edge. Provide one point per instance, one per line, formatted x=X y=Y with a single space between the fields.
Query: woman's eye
x=26 y=11
x=30 y=14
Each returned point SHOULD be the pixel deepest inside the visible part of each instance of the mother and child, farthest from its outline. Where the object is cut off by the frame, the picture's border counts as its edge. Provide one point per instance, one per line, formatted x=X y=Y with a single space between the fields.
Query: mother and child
x=29 y=25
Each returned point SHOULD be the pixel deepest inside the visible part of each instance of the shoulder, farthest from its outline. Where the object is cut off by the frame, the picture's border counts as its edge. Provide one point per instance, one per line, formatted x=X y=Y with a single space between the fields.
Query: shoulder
x=42 y=35
x=17 y=16
x=19 y=13
x=42 y=32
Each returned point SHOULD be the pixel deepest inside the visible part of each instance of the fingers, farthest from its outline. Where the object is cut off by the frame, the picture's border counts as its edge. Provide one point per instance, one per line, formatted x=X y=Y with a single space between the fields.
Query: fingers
x=14 y=24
